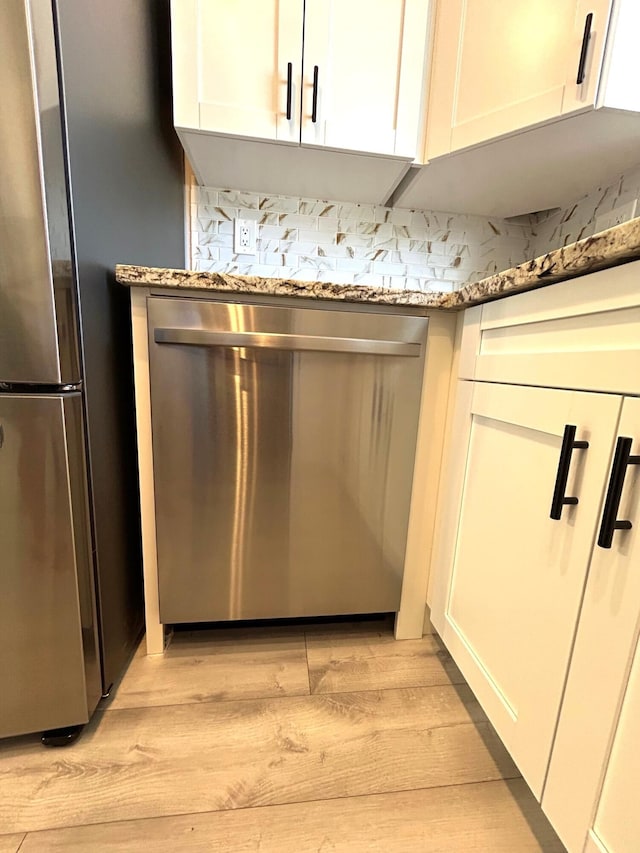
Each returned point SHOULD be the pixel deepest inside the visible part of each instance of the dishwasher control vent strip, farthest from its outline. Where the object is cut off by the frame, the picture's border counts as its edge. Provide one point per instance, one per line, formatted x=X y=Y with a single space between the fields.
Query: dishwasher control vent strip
x=268 y=340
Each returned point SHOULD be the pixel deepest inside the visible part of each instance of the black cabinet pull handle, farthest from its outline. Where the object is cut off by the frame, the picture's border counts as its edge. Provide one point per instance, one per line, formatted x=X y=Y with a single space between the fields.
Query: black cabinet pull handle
x=569 y=444
x=585 y=47
x=289 y=88
x=621 y=460
x=314 y=107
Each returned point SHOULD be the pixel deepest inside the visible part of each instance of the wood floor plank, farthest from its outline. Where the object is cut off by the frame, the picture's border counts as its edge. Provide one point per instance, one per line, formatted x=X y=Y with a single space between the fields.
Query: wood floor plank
x=490 y=816
x=11 y=843
x=151 y=762
x=210 y=665
x=366 y=659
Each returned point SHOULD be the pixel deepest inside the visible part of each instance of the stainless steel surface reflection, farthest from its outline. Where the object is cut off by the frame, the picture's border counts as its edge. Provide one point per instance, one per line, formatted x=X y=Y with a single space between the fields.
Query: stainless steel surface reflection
x=70 y=208
x=38 y=336
x=282 y=476
x=49 y=664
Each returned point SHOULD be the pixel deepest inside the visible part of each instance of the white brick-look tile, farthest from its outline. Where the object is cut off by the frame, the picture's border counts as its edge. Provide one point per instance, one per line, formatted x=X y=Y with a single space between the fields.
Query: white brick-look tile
x=578 y=219
x=350 y=243
x=316 y=239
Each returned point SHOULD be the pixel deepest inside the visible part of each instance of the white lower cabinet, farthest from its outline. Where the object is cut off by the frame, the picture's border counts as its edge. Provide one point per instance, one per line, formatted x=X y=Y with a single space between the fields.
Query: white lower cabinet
x=616 y=826
x=594 y=775
x=540 y=607
x=518 y=575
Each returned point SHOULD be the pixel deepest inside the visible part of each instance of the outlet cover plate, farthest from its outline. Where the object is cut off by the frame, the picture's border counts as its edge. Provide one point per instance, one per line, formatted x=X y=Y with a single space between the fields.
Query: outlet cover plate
x=616 y=216
x=244 y=236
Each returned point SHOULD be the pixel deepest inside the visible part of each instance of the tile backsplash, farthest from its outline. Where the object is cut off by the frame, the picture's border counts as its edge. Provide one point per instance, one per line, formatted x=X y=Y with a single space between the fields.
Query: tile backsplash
x=315 y=240
x=578 y=220
x=345 y=243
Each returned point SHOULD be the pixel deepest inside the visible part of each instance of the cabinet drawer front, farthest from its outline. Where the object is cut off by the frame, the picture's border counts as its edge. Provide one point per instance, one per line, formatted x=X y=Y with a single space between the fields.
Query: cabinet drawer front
x=583 y=334
x=518 y=576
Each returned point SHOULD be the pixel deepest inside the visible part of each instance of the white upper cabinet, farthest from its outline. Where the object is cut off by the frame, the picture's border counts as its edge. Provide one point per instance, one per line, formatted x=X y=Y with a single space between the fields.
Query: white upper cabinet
x=531 y=103
x=237 y=66
x=339 y=74
x=363 y=69
x=501 y=67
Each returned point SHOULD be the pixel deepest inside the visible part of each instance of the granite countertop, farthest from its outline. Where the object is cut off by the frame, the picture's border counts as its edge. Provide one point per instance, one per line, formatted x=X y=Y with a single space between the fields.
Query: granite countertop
x=607 y=248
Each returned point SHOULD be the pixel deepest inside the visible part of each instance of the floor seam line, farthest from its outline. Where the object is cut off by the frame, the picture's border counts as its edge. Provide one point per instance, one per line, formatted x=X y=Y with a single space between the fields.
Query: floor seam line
x=306 y=655
x=509 y=778
x=282 y=698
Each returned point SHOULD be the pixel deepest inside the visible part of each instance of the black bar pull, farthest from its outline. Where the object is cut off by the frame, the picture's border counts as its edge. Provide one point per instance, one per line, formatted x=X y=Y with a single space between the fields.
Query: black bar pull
x=621 y=460
x=314 y=107
x=569 y=444
x=585 y=47
x=289 y=88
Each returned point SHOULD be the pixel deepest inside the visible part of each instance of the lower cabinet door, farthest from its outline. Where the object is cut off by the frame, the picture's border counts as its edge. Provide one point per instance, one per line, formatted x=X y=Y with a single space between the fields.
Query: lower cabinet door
x=600 y=664
x=518 y=575
x=616 y=827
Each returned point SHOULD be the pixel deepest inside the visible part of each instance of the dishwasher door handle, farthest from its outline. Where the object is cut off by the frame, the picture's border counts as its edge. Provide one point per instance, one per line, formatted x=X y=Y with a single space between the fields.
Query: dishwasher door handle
x=272 y=340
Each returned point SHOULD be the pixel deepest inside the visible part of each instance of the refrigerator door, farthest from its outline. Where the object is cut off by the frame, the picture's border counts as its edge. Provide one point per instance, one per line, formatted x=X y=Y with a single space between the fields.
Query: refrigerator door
x=38 y=336
x=49 y=668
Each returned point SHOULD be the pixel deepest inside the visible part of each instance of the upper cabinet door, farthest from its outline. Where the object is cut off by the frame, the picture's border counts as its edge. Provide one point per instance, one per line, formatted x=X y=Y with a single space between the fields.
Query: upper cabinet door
x=585 y=52
x=364 y=72
x=518 y=575
x=231 y=67
x=501 y=67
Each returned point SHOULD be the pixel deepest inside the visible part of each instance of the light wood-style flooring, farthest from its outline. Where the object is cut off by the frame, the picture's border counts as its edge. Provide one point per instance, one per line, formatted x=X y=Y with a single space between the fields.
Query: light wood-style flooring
x=288 y=739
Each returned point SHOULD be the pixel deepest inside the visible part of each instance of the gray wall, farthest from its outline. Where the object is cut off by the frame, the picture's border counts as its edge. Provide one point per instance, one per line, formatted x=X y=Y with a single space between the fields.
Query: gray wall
x=127 y=190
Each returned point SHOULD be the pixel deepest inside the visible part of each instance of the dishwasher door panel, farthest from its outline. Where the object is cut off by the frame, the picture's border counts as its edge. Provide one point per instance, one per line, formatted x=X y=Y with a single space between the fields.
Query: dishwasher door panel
x=282 y=468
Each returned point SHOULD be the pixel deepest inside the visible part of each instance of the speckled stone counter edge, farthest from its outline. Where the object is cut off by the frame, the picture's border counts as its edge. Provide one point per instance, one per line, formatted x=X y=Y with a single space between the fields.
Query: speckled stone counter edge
x=608 y=248
x=232 y=283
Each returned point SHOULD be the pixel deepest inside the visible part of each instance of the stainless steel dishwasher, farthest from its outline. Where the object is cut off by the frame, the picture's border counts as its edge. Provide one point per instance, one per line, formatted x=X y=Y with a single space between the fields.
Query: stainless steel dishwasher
x=283 y=447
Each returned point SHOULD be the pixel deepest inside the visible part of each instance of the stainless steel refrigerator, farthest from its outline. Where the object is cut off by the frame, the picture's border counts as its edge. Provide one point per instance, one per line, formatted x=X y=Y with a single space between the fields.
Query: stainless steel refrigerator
x=90 y=175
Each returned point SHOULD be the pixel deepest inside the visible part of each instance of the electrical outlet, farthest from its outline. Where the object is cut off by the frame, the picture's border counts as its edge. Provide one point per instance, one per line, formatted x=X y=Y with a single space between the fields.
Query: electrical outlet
x=616 y=216
x=244 y=236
